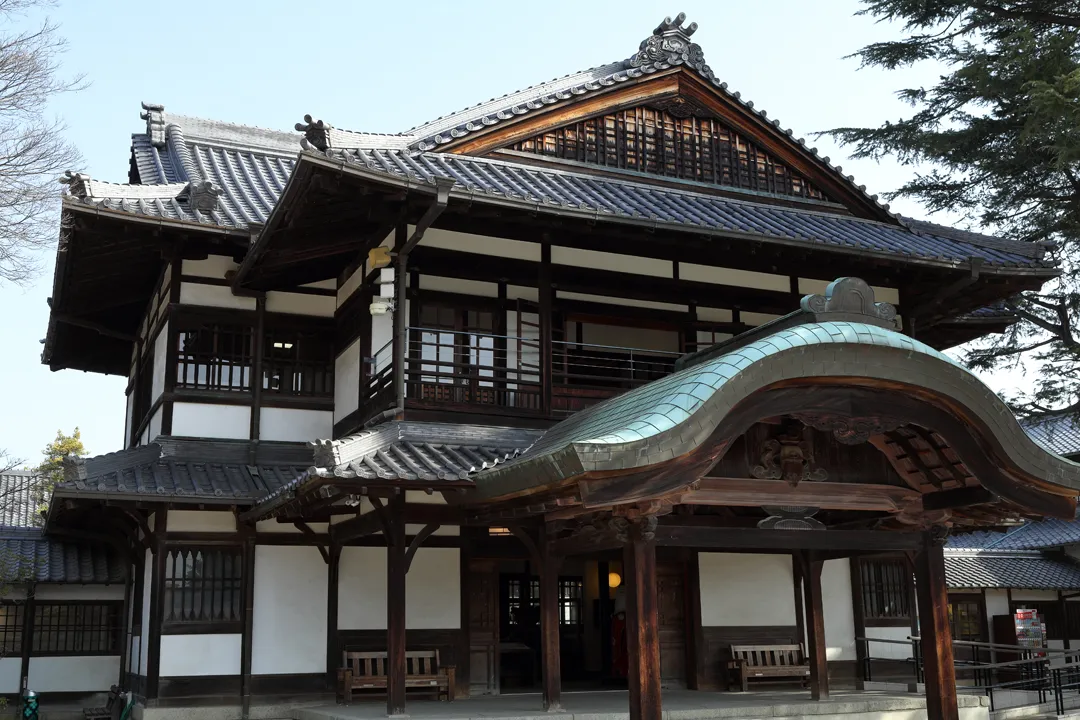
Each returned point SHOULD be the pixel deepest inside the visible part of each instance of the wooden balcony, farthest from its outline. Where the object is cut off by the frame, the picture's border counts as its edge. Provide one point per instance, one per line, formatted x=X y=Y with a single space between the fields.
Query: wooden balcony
x=484 y=374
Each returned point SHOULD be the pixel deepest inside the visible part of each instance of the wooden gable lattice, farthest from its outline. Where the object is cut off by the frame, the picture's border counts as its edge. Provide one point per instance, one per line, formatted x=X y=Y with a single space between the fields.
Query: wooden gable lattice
x=676 y=140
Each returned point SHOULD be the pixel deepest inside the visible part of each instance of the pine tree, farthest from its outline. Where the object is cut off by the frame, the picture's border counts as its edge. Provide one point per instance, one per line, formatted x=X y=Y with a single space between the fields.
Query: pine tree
x=51 y=469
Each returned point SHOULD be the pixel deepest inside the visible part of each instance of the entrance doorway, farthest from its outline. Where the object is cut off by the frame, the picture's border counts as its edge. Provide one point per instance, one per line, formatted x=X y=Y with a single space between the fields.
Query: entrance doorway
x=592 y=624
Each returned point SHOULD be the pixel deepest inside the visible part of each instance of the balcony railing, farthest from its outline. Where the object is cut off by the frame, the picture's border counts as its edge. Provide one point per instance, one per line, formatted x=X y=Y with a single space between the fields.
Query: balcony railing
x=498 y=374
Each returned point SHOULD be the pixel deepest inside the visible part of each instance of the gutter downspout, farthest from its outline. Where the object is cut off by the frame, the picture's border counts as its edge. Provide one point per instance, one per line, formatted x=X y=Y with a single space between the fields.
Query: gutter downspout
x=442 y=199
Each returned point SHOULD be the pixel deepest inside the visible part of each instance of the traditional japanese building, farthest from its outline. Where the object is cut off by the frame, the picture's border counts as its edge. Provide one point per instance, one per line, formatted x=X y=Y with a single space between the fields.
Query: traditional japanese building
x=572 y=360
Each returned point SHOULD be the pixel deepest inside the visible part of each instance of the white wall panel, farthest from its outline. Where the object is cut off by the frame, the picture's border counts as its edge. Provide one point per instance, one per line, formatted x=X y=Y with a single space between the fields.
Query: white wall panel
x=213 y=296
x=839 y=617
x=148 y=582
x=133 y=654
x=211 y=421
x=289 y=632
x=80 y=592
x=347 y=381
x=432 y=589
x=456 y=285
x=322 y=284
x=624 y=302
x=612 y=261
x=161 y=344
x=708 y=314
x=294 y=424
x=481 y=244
x=73 y=674
x=153 y=428
x=351 y=285
x=10 y=669
x=128 y=419
x=188 y=655
x=215 y=266
x=201 y=521
x=264 y=526
x=881 y=294
x=890 y=651
x=997 y=603
x=300 y=304
x=382 y=332
x=735 y=278
x=746 y=589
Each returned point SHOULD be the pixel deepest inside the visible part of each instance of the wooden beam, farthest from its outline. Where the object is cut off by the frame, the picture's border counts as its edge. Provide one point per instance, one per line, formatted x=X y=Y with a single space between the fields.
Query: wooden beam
x=741 y=492
x=937 y=649
x=395 y=604
x=674 y=535
x=696 y=665
x=551 y=671
x=912 y=453
x=304 y=528
x=367 y=524
x=642 y=621
x=417 y=541
x=957 y=498
x=247 y=639
x=157 y=608
x=815 y=628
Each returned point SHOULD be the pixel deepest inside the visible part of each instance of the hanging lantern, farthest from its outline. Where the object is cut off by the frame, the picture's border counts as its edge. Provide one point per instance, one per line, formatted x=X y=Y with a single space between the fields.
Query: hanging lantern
x=614 y=579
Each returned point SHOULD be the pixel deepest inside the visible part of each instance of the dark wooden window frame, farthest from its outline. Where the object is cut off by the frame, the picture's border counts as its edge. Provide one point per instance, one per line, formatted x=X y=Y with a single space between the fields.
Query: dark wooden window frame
x=227 y=591
x=886 y=583
x=979 y=600
x=11 y=627
x=65 y=628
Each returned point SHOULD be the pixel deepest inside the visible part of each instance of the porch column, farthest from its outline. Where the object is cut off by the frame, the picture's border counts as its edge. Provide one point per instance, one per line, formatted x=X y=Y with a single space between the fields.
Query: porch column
x=642 y=625
x=333 y=653
x=937 y=650
x=549 y=624
x=815 y=627
x=394 y=528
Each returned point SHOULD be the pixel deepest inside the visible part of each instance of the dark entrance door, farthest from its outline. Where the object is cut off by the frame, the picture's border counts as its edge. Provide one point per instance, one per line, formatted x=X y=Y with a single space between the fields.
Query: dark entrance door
x=671 y=606
x=483 y=601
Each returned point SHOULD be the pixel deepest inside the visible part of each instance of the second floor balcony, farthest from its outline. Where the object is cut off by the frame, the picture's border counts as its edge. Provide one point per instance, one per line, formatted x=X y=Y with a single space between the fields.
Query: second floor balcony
x=510 y=376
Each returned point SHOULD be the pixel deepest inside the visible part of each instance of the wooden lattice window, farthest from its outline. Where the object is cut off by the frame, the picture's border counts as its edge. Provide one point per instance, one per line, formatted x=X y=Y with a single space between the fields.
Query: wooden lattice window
x=654 y=141
x=77 y=628
x=203 y=589
x=297 y=362
x=886 y=589
x=11 y=627
x=214 y=356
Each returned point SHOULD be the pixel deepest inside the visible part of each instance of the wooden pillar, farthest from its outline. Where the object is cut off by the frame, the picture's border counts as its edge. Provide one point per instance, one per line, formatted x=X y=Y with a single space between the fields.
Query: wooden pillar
x=1063 y=611
x=551 y=671
x=603 y=569
x=128 y=618
x=27 y=637
x=858 y=611
x=642 y=623
x=395 y=604
x=545 y=302
x=247 y=638
x=800 y=601
x=937 y=650
x=815 y=628
x=333 y=653
x=696 y=674
x=157 y=609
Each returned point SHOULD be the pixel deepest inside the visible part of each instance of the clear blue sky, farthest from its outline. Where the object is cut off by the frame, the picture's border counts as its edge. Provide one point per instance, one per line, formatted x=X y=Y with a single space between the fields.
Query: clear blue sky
x=387 y=67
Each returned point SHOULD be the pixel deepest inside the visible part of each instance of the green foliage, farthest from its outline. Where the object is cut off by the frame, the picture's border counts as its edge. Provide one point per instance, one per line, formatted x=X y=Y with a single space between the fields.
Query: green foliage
x=997 y=138
x=51 y=469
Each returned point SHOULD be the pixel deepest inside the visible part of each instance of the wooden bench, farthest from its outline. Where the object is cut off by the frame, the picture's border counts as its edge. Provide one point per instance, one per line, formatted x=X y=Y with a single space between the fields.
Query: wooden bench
x=109 y=712
x=367 y=671
x=765 y=661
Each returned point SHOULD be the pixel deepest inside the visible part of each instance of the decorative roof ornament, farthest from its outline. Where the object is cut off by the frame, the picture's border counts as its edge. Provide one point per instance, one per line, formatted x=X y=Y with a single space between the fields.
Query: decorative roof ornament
x=670 y=43
x=154 y=115
x=78 y=183
x=203 y=196
x=315 y=134
x=849 y=298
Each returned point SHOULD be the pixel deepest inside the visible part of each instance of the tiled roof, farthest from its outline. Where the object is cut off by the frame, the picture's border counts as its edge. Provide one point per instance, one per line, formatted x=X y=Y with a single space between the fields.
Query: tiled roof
x=408 y=451
x=28 y=556
x=1010 y=569
x=1034 y=535
x=182 y=470
x=588 y=196
x=19 y=499
x=1057 y=432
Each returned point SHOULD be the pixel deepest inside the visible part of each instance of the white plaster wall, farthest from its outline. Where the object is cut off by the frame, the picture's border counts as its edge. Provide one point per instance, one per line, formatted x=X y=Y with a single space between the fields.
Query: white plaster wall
x=188 y=655
x=432 y=589
x=746 y=589
x=612 y=261
x=382 y=332
x=213 y=421
x=620 y=336
x=133 y=655
x=127 y=419
x=10 y=667
x=73 y=674
x=839 y=617
x=215 y=266
x=736 y=278
x=213 y=296
x=330 y=284
x=153 y=428
x=456 y=285
x=300 y=304
x=347 y=381
x=481 y=244
x=201 y=521
x=264 y=526
x=148 y=573
x=754 y=319
x=708 y=314
x=80 y=592
x=351 y=284
x=161 y=344
x=625 y=302
x=295 y=424
x=289 y=632
x=997 y=603
x=889 y=651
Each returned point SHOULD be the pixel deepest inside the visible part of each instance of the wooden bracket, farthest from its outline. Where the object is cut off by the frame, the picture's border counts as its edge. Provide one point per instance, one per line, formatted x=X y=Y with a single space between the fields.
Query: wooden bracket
x=417 y=541
x=306 y=529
